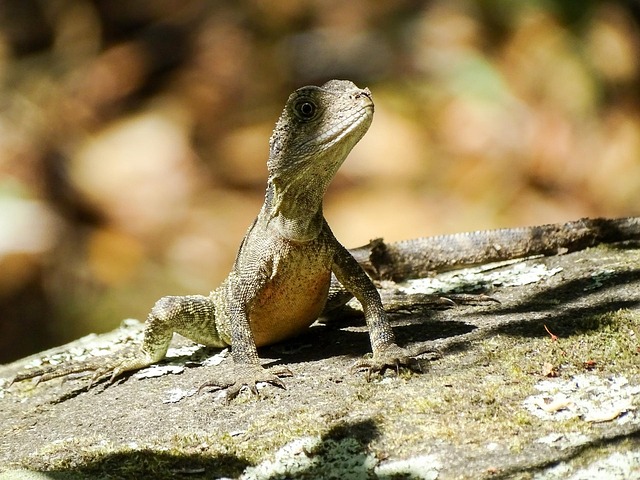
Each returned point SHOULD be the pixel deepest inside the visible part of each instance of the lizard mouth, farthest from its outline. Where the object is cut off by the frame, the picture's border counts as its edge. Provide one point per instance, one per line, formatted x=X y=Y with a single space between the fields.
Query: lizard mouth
x=340 y=130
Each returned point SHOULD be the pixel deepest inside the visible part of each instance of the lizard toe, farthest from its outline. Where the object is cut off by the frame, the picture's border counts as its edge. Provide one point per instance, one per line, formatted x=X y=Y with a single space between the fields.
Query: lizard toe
x=392 y=356
x=249 y=376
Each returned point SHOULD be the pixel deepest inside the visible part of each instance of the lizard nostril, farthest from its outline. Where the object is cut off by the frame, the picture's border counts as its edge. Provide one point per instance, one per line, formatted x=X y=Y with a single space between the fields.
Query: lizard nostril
x=362 y=93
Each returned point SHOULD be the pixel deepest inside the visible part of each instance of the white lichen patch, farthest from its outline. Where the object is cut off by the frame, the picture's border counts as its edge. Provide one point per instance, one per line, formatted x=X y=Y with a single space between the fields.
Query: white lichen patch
x=588 y=397
x=216 y=359
x=617 y=466
x=174 y=363
x=184 y=351
x=177 y=394
x=313 y=457
x=158 y=371
x=510 y=273
x=424 y=467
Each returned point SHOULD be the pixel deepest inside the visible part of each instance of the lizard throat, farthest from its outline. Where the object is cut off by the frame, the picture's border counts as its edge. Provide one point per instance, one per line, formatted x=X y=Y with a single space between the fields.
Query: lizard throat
x=296 y=209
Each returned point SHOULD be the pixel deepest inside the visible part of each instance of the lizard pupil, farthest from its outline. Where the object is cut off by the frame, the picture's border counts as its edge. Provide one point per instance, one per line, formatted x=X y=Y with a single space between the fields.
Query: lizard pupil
x=306 y=109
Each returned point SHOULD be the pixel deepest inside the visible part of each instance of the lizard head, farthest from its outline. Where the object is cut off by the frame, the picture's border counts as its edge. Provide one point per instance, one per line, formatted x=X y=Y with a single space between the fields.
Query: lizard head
x=317 y=129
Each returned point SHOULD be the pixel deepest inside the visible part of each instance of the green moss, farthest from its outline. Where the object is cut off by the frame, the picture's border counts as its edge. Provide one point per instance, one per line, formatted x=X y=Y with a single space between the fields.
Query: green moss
x=607 y=343
x=482 y=401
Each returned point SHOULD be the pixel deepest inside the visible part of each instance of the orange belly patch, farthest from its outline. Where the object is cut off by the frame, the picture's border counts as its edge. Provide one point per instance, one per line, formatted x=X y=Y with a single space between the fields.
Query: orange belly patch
x=288 y=305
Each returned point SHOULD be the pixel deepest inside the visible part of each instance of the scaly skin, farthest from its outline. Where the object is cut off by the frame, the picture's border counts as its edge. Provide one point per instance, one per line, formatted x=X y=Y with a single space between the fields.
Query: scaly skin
x=280 y=280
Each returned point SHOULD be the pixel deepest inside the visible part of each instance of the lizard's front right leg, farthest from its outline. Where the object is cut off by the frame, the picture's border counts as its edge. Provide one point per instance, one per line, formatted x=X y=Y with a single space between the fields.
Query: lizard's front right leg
x=183 y=315
x=192 y=316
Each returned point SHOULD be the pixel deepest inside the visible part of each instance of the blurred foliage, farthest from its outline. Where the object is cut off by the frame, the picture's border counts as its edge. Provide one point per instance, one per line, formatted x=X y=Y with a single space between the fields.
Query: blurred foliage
x=134 y=135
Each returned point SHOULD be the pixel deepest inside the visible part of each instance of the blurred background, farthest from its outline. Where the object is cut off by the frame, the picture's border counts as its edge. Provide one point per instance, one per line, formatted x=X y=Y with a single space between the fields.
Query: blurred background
x=134 y=135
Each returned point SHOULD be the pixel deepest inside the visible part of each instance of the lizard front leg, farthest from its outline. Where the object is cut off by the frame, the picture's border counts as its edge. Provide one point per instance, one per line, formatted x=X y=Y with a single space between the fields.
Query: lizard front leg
x=190 y=316
x=386 y=353
x=247 y=369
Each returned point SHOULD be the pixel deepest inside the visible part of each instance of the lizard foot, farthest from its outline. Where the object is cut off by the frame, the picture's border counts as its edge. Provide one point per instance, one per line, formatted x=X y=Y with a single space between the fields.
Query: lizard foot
x=391 y=356
x=44 y=374
x=248 y=376
x=100 y=367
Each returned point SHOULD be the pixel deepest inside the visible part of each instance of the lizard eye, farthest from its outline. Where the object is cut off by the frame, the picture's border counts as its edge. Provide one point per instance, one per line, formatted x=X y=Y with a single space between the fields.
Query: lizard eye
x=306 y=109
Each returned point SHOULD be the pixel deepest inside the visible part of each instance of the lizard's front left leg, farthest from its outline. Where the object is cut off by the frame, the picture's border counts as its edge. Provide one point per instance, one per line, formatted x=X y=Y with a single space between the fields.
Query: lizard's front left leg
x=247 y=369
x=386 y=353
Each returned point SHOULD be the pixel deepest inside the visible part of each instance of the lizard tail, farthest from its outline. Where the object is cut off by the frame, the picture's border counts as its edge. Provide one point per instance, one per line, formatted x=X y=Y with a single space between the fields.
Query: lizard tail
x=421 y=257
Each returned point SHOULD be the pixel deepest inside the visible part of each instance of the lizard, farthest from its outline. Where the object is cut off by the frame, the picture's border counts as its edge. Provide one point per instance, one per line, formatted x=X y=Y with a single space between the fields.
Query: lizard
x=290 y=269
x=281 y=277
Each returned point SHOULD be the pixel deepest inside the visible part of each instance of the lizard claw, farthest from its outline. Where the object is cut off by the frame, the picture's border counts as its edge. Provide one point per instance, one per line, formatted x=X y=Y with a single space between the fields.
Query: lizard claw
x=389 y=357
x=43 y=374
x=248 y=376
x=101 y=368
